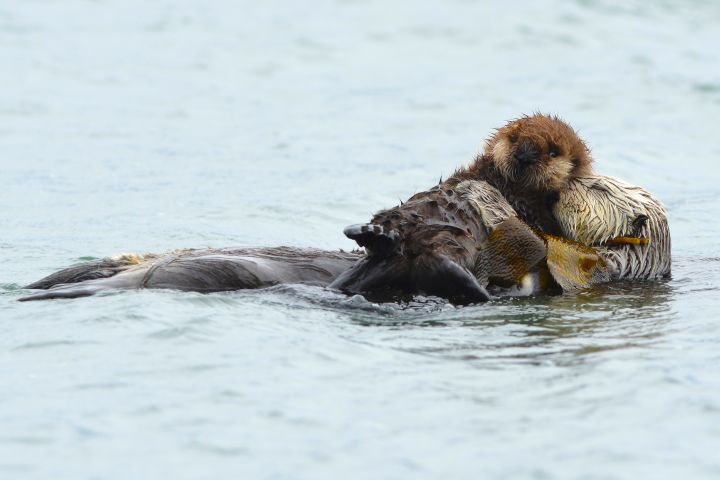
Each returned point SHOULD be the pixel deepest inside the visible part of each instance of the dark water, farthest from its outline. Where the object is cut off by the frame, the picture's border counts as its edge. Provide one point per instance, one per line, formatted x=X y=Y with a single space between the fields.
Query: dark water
x=148 y=126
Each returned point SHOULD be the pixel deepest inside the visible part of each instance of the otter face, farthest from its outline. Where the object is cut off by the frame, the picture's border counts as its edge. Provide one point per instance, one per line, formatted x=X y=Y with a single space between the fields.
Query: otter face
x=539 y=152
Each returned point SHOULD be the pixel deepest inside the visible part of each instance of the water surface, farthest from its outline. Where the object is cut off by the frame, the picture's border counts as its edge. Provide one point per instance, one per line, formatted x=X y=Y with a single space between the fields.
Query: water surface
x=148 y=126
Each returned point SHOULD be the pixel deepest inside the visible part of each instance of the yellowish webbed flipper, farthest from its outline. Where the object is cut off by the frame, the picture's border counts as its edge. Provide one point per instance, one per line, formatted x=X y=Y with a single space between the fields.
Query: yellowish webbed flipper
x=573 y=265
x=513 y=250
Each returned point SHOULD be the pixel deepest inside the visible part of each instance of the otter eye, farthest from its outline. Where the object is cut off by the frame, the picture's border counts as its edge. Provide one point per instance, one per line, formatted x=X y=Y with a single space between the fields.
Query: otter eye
x=554 y=151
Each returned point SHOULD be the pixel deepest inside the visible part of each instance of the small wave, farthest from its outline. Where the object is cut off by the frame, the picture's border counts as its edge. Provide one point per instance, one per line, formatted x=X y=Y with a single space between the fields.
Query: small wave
x=217 y=449
x=51 y=344
x=314 y=297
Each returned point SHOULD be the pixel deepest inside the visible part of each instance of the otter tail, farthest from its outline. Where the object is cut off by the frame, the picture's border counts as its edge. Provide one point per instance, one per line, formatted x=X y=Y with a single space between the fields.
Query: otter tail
x=70 y=290
x=128 y=279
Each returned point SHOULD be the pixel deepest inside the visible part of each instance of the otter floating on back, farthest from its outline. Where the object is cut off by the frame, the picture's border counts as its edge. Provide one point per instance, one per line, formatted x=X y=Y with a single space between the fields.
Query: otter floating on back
x=200 y=270
x=453 y=240
x=626 y=227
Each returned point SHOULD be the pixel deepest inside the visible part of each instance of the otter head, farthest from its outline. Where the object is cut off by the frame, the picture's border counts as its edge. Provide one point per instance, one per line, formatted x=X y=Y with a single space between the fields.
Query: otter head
x=538 y=152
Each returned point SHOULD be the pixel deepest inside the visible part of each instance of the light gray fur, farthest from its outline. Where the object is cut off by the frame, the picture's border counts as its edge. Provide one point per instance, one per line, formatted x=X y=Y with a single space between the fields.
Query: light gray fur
x=490 y=204
x=595 y=209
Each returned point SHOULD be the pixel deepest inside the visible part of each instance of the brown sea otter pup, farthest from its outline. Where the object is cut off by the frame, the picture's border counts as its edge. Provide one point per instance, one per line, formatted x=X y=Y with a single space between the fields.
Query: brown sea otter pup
x=530 y=160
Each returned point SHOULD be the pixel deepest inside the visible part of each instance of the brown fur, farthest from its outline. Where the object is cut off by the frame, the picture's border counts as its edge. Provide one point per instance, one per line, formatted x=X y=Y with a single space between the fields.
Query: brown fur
x=529 y=160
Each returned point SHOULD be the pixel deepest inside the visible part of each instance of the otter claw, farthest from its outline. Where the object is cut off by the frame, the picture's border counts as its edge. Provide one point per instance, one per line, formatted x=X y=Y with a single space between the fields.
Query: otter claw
x=376 y=238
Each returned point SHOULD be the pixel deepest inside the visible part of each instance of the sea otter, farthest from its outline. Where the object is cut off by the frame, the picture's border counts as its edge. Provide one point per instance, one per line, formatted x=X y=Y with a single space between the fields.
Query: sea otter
x=453 y=241
x=530 y=160
x=624 y=229
x=625 y=224
x=201 y=270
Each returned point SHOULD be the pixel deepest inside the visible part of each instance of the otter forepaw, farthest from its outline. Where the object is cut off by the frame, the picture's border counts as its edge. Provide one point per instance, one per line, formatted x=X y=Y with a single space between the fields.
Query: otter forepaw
x=375 y=238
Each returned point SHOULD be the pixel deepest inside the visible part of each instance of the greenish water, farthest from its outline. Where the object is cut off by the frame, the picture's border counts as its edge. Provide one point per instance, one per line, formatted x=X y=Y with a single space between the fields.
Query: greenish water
x=138 y=126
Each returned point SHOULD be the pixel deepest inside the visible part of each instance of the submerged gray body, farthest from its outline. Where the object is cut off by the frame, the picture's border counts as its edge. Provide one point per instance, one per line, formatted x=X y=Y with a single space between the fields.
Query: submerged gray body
x=198 y=270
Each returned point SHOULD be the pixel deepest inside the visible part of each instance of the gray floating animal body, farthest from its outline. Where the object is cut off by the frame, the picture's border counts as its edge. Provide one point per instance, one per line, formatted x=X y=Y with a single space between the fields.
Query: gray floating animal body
x=201 y=270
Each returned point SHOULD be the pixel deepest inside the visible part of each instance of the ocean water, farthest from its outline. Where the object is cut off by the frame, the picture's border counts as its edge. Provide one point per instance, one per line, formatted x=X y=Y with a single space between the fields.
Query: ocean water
x=129 y=126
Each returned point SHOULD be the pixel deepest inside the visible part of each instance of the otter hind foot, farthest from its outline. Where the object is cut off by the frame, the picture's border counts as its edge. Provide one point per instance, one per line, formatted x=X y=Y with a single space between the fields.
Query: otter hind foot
x=376 y=238
x=430 y=275
x=443 y=277
x=70 y=290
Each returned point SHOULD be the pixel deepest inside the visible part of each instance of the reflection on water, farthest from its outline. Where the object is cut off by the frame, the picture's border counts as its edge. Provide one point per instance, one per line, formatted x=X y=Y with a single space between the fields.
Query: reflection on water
x=561 y=329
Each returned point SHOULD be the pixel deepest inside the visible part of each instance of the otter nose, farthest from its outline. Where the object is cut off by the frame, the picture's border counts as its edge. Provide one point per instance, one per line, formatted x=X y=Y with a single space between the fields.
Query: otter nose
x=526 y=154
